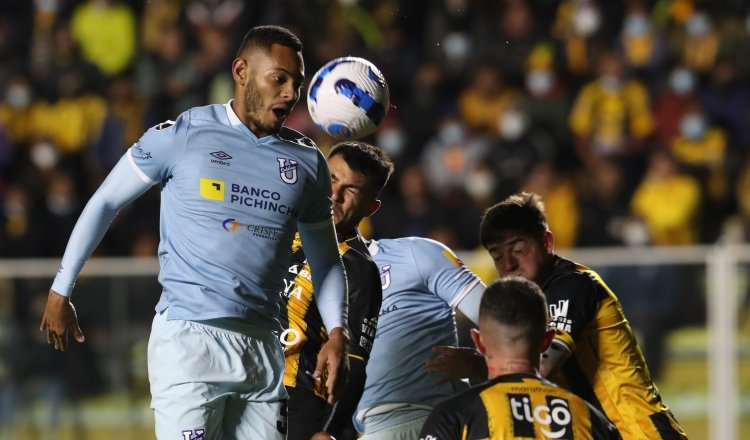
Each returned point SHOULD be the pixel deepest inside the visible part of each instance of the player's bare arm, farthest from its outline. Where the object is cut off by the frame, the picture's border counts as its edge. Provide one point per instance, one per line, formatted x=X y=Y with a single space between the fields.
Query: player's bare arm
x=59 y=318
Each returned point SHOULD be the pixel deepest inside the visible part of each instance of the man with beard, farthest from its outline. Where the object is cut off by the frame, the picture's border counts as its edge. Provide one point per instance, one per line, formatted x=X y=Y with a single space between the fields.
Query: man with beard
x=235 y=187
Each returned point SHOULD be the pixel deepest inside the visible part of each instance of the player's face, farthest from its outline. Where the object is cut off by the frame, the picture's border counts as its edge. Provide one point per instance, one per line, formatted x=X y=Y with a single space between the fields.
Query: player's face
x=352 y=196
x=523 y=256
x=269 y=86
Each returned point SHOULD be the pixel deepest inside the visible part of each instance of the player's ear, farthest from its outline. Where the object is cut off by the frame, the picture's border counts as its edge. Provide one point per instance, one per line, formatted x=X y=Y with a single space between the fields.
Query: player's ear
x=549 y=242
x=373 y=208
x=239 y=70
x=548 y=337
x=476 y=336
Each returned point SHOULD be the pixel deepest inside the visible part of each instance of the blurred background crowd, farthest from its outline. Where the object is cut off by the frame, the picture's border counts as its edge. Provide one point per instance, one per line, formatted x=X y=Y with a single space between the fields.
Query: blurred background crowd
x=629 y=117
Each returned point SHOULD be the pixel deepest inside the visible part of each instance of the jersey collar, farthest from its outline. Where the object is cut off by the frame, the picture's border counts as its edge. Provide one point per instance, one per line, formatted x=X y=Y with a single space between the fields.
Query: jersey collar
x=373 y=247
x=233 y=118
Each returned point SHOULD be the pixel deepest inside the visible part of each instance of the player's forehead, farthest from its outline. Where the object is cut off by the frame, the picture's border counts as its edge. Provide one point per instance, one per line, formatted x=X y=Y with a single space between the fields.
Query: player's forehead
x=277 y=58
x=340 y=170
x=507 y=240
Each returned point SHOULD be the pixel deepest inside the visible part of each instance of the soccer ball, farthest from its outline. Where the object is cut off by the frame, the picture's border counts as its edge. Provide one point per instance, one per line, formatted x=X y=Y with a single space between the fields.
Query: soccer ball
x=348 y=98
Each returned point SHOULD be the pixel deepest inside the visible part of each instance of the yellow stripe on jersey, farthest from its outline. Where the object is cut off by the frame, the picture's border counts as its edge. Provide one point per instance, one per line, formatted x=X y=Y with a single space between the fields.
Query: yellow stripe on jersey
x=453 y=258
x=295 y=337
x=212 y=189
x=357 y=357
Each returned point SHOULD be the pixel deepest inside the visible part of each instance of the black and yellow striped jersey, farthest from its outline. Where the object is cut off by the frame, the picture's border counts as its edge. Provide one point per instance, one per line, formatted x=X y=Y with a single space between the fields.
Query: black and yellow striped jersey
x=607 y=367
x=517 y=406
x=304 y=332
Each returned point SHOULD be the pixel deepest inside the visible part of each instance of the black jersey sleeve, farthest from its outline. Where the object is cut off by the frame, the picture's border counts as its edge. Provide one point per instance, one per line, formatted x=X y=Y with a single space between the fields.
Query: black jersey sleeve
x=572 y=300
x=365 y=296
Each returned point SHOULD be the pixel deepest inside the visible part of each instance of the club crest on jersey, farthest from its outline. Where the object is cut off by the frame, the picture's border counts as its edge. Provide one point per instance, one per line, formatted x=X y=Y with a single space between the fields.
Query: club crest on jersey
x=194 y=434
x=287 y=171
x=385 y=276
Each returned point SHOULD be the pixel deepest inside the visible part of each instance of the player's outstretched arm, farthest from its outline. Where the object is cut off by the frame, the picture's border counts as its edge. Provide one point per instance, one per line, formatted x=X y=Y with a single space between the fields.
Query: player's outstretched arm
x=333 y=364
x=329 y=285
x=122 y=185
x=59 y=318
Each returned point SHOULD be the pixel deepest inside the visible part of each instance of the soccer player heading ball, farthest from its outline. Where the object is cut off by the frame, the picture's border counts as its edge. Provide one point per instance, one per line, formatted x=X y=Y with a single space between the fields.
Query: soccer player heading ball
x=236 y=185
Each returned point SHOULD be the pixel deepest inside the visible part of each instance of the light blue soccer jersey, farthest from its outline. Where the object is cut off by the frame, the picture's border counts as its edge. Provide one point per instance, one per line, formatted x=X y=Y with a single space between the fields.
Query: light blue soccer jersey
x=230 y=205
x=423 y=281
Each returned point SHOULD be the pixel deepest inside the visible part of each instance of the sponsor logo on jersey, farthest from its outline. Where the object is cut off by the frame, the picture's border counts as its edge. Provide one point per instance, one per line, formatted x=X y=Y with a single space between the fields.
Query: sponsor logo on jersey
x=385 y=276
x=212 y=189
x=553 y=419
x=221 y=158
x=194 y=434
x=232 y=225
x=453 y=258
x=559 y=315
x=259 y=198
x=287 y=170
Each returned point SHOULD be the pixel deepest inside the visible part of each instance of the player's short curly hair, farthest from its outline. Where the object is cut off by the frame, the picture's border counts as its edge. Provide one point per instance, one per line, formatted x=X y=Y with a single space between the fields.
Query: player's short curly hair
x=263 y=37
x=520 y=214
x=366 y=159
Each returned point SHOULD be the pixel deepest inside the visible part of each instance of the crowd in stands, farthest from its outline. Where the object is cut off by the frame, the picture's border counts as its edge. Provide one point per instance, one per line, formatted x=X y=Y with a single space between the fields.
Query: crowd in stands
x=630 y=118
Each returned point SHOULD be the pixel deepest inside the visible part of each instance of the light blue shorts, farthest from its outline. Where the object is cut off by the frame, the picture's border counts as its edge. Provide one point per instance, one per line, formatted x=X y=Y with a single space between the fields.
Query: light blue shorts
x=399 y=425
x=217 y=379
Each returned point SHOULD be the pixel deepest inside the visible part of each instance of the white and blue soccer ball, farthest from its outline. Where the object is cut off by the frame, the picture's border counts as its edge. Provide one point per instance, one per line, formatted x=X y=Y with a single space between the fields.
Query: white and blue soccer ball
x=348 y=98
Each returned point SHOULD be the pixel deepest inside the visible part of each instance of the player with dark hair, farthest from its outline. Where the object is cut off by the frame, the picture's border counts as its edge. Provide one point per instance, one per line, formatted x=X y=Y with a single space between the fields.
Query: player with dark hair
x=235 y=187
x=594 y=352
x=516 y=402
x=359 y=171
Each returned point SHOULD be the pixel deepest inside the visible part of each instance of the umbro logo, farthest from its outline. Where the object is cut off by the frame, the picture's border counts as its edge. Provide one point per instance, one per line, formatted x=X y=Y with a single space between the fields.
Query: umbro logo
x=221 y=158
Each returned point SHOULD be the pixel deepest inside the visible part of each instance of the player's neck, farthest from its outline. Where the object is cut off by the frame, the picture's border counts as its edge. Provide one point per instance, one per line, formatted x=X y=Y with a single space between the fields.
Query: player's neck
x=500 y=366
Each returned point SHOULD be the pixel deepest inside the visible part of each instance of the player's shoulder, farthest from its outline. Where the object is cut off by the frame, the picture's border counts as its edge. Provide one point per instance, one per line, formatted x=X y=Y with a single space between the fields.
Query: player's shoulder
x=185 y=120
x=420 y=244
x=355 y=248
x=568 y=273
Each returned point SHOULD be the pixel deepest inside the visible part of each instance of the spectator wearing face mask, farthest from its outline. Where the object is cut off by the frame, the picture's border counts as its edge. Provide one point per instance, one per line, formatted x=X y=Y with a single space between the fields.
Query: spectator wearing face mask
x=643 y=46
x=700 y=148
x=485 y=99
x=578 y=26
x=611 y=118
x=680 y=92
x=699 y=43
x=547 y=102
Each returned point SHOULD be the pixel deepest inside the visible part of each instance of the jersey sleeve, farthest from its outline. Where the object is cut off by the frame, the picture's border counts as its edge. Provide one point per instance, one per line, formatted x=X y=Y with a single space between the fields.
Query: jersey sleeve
x=444 y=273
x=365 y=295
x=318 y=205
x=601 y=426
x=156 y=152
x=572 y=305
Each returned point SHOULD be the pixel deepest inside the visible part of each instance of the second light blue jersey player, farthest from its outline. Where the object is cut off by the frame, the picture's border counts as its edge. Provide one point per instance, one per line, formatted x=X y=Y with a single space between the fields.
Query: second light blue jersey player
x=423 y=282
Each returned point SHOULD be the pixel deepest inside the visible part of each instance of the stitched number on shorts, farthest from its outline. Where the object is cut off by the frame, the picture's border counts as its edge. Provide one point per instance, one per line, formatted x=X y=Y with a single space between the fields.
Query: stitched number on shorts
x=281 y=423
